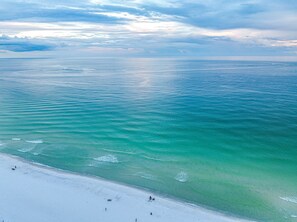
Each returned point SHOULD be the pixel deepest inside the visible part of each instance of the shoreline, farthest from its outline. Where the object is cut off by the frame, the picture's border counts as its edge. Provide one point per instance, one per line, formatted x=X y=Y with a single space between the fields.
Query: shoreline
x=36 y=192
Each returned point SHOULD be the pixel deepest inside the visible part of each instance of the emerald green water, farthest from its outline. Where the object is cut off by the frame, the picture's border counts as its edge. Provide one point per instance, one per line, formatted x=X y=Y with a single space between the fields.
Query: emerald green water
x=219 y=134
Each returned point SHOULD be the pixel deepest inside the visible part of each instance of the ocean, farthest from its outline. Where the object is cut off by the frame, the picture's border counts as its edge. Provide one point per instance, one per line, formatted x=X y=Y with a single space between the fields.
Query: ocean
x=219 y=134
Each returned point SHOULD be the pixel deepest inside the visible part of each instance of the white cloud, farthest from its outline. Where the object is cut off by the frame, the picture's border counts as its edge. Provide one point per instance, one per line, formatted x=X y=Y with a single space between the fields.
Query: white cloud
x=137 y=27
x=133 y=25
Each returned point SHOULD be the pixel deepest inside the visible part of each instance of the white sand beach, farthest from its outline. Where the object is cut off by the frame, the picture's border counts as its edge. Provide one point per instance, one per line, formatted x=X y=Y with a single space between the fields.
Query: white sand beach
x=33 y=193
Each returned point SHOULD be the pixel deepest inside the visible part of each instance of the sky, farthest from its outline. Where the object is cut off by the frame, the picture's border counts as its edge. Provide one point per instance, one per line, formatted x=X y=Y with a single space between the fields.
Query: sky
x=149 y=28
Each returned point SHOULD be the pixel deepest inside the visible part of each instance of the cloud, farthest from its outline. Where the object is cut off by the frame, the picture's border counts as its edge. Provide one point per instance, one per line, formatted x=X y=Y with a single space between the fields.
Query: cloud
x=146 y=27
x=22 y=45
x=51 y=13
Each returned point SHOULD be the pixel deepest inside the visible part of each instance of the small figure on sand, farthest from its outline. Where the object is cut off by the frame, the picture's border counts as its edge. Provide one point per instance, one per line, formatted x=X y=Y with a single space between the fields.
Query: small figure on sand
x=151 y=198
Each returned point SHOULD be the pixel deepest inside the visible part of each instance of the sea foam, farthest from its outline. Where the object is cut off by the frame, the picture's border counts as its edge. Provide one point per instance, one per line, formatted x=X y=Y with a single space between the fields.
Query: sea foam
x=107 y=158
x=290 y=199
x=145 y=176
x=26 y=149
x=35 y=141
x=181 y=177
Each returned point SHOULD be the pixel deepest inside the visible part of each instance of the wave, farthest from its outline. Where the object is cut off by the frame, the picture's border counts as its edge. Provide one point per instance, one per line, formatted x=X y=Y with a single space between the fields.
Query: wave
x=107 y=158
x=31 y=145
x=35 y=141
x=152 y=158
x=181 y=177
x=36 y=153
x=146 y=175
x=290 y=199
x=16 y=139
x=26 y=149
x=120 y=151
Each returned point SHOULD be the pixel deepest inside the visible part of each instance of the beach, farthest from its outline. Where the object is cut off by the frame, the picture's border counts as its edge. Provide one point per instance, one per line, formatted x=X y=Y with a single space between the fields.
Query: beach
x=31 y=192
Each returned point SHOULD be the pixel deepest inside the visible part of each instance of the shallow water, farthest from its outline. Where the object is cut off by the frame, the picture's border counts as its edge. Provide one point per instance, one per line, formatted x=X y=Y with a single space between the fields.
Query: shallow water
x=220 y=134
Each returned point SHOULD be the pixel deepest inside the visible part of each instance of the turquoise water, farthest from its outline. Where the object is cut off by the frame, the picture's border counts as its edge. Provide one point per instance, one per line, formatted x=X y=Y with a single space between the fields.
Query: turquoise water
x=220 y=134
